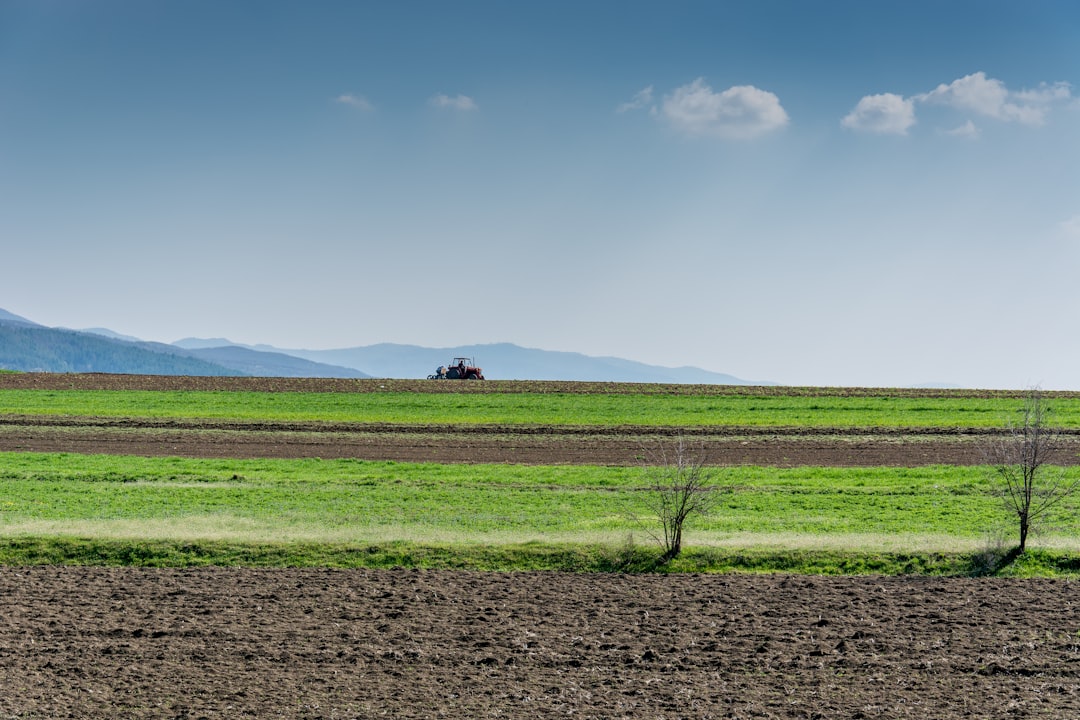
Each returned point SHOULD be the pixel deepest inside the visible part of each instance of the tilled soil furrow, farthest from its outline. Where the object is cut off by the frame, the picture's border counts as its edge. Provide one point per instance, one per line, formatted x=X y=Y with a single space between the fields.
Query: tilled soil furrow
x=218 y=642
x=496 y=447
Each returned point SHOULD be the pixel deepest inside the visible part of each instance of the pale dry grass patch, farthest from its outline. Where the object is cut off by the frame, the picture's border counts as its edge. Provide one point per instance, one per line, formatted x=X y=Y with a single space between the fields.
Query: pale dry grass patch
x=204 y=527
x=231 y=528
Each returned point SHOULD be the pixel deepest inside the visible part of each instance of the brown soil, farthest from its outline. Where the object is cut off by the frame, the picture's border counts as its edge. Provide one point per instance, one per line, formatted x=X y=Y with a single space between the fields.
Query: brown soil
x=227 y=643
x=544 y=445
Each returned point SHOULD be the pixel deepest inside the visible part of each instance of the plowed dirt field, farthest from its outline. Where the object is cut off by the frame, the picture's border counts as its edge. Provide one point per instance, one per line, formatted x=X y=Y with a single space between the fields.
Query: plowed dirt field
x=547 y=445
x=228 y=643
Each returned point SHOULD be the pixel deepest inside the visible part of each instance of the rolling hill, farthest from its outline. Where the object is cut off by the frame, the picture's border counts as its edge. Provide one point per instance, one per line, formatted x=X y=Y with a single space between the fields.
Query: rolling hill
x=27 y=346
x=33 y=348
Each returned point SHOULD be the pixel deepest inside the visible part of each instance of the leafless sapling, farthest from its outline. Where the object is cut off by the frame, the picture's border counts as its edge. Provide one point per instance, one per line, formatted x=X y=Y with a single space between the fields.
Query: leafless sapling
x=1023 y=459
x=680 y=486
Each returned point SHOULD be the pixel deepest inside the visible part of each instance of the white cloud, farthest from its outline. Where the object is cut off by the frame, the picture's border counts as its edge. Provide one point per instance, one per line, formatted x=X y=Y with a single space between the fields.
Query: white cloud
x=740 y=112
x=458 y=102
x=975 y=93
x=642 y=98
x=357 y=101
x=990 y=98
x=886 y=114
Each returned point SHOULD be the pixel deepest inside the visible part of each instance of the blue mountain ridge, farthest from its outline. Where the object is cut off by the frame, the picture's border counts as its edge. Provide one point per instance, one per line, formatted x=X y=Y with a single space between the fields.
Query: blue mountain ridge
x=500 y=361
x=28 y=346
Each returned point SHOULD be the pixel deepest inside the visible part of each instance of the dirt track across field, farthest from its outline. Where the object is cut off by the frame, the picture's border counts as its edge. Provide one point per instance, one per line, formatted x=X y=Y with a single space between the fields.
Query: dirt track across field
x=228 y=643
x=541 y=445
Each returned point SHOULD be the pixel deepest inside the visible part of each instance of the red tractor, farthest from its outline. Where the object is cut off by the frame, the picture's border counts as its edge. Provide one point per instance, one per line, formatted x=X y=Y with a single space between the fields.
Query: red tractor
x=462 y=368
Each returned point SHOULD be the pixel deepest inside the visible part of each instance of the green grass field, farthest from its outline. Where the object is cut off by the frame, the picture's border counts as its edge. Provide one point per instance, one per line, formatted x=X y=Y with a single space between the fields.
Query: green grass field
x=334 y=504
x=542 y=409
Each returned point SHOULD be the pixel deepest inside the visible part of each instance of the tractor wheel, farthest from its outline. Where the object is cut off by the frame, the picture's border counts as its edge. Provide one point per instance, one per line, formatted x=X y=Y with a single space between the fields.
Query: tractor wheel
x=471 y=376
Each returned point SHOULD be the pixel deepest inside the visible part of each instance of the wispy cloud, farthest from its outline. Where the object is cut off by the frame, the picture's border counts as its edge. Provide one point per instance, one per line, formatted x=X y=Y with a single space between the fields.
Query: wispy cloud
x=886 y=114
x=740 y=112
x=974 y=94
x=458 y=102
x=967 y=130
x=642 y=98
x=357 y=101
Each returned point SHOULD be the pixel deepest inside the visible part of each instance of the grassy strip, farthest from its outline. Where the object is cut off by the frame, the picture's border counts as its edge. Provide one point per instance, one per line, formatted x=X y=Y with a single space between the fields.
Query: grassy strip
x=350 y=502
x=535 y=409
x=515 y=558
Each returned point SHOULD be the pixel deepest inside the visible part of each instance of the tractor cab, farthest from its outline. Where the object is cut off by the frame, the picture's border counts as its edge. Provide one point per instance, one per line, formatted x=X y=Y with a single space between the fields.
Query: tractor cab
x=462 y=368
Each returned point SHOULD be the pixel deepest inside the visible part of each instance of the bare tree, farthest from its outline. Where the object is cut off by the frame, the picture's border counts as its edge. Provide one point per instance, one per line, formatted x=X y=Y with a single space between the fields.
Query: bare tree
x=1023 y=460
x=679 y=486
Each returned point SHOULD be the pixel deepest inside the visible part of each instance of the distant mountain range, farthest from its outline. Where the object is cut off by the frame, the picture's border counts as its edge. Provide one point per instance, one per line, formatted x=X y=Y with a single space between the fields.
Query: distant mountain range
x=28 y=346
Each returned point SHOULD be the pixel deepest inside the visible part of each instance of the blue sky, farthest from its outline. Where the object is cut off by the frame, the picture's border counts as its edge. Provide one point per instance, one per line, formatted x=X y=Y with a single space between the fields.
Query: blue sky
x=831 y=193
